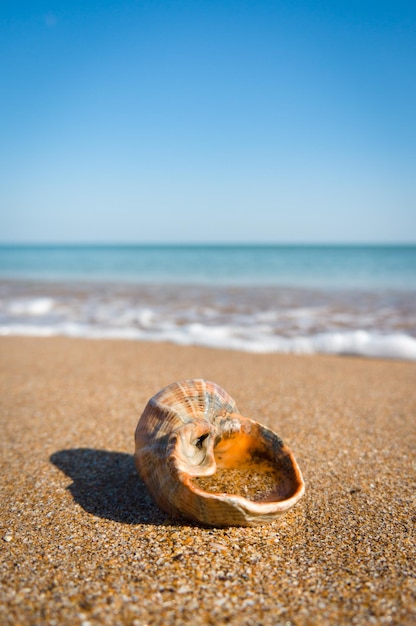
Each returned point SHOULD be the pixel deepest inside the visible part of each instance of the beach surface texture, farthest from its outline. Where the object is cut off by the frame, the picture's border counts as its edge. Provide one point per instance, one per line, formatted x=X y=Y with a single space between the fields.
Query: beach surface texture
x=82 y=543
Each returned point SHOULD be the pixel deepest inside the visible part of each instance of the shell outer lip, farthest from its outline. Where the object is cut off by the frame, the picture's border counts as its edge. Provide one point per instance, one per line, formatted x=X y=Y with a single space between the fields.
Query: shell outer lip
x=254 y=512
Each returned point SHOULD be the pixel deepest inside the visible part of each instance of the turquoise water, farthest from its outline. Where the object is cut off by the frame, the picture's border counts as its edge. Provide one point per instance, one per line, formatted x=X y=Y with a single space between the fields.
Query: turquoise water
x=303 y=299
x=341 y=267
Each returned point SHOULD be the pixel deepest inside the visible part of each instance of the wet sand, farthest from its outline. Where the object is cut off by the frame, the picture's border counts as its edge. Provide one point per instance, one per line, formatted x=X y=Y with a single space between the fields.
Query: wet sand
x=83 y=543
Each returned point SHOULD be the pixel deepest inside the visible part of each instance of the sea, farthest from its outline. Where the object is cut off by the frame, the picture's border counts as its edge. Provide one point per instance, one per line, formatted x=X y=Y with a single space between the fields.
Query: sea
x=303 y=299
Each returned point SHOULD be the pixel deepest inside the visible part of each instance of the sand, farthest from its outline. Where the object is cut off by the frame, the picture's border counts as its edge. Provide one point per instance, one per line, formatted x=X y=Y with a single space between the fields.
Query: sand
x=83 y=543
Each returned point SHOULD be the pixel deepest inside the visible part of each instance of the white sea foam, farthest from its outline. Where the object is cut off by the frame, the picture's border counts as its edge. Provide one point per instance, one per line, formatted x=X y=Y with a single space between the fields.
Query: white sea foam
x=258 y=321
x=359 y=343
x=31 y=306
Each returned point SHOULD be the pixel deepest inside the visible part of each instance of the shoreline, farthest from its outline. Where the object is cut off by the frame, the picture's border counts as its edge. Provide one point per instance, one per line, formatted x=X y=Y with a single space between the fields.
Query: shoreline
x=84 y=543
x=255 y=320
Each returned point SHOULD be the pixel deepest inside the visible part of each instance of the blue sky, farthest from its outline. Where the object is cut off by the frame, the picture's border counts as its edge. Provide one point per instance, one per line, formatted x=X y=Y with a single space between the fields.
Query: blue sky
x=208 y=121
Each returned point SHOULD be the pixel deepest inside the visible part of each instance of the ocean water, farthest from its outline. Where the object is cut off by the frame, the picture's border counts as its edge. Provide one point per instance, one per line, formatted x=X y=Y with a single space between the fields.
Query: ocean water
x=355 y=300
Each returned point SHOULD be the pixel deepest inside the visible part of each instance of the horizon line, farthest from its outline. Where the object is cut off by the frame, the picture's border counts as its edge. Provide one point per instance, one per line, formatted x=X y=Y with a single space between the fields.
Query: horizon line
x=247 y=243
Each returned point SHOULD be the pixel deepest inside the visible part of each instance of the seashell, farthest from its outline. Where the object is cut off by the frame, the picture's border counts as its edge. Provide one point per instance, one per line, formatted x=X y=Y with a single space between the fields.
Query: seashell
x=192 y=430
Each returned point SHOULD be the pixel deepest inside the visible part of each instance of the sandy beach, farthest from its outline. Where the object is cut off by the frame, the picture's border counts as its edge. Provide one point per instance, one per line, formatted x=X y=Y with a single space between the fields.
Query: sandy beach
x=83 y=543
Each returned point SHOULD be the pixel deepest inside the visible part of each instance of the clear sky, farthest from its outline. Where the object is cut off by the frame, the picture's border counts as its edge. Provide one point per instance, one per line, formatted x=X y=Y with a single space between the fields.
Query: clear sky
x=208 y=121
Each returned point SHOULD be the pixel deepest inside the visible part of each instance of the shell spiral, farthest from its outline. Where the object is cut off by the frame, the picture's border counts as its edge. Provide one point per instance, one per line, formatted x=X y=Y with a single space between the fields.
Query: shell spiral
x=191 y=428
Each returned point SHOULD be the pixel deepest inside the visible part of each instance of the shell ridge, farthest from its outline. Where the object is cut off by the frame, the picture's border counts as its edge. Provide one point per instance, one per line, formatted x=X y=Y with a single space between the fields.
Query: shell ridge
x=190 y=404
